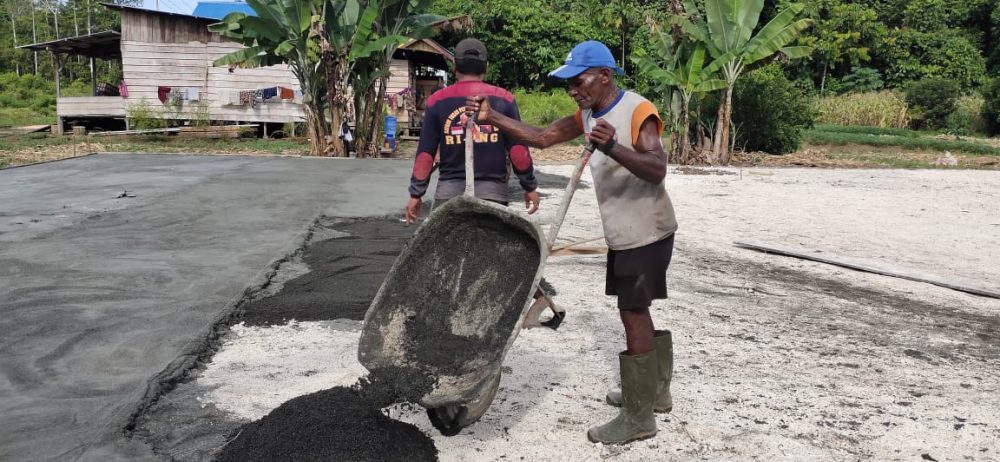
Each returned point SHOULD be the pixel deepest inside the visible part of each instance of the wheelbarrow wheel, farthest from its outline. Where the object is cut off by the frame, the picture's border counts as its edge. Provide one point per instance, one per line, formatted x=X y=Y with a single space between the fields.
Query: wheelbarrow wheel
x=450 y=420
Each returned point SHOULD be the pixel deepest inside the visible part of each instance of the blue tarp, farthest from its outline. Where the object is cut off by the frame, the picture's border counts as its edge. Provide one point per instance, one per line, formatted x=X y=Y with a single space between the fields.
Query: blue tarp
x=219 y=10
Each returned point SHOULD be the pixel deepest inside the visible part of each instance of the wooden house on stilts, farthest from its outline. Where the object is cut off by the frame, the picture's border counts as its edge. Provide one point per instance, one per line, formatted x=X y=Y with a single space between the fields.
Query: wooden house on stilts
x=166 y=62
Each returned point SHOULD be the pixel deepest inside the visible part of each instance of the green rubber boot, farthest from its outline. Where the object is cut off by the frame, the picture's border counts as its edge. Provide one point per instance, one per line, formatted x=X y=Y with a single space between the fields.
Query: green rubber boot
x=665 y=356
x=635 y=421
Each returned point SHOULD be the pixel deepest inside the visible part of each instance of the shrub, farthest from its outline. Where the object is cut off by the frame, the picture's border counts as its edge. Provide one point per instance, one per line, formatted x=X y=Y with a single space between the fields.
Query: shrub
x=541 y=108
x=991 y=106
x=27 y=91
x=967 y=118
x=861 y=79
x=883 y=109
x=77 y=87
x=143 y=116
x=769 y=113
x=202 y=117
x=931 y=101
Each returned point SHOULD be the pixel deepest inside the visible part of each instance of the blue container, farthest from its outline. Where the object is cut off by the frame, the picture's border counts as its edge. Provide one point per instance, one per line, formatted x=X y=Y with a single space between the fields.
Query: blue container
x=390 y=133
x=390 y=126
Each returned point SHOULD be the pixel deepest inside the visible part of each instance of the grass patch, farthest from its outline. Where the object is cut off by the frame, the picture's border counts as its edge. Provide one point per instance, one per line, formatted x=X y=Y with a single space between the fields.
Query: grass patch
x=902 y=138
x=885 y=108
x=33 y=141
x=543 y=108
x=40 y=147
x=859 y=129
x=867 y=156
x=882 y=159
x=20 y=116
x=172 y=144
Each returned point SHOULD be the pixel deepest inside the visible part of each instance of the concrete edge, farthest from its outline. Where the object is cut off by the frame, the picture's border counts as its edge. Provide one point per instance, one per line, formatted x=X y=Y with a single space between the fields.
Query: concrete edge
x=49 y=161
x=207 y=341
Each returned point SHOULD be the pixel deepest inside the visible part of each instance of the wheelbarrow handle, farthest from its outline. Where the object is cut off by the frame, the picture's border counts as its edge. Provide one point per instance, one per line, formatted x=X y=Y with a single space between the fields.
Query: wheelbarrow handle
x=574 y=181
x=470 y=169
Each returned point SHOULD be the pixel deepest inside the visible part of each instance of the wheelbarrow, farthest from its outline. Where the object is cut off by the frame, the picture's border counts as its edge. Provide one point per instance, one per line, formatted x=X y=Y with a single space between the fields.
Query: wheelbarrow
x=452 y=303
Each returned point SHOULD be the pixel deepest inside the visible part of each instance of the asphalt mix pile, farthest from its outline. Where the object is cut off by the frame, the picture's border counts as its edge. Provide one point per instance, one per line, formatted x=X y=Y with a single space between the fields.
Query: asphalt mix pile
x=342 y=424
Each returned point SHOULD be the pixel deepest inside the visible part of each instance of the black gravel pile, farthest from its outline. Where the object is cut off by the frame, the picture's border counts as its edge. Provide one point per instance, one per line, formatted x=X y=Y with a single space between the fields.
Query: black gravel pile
x=339 y=424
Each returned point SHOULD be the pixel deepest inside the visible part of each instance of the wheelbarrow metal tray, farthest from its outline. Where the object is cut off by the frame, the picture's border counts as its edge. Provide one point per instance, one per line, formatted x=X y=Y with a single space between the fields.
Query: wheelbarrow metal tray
x=452 y=303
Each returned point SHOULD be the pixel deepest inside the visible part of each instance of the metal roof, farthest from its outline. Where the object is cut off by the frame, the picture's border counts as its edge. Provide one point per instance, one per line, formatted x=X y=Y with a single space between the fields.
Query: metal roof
x=113 y=6
x=104 y=45
x=219 y=10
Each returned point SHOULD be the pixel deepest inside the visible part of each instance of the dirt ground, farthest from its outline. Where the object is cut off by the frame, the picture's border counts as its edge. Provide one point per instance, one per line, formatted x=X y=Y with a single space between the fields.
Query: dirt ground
x=776 y=358
x=863 y=156
x=848 y=156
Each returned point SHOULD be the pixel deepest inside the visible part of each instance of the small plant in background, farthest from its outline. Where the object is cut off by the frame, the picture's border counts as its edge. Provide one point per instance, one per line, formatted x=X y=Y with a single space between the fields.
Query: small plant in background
x=883 y=109
x=861 y=79
x=541 y=108
x=171 y=112
x=202 y=118
x=770 y=111
x=991 y=106
x=931 y=101
x=143 y=116
x=967 y=118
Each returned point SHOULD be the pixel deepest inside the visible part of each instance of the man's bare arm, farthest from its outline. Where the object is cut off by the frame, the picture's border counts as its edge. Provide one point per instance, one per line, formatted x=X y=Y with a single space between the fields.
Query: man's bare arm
x=560 y=131
x=647 y=161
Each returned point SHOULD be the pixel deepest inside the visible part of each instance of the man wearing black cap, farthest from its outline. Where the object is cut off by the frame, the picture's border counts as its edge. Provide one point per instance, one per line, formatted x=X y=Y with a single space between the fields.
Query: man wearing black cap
x=628 y=169
x=444 y=130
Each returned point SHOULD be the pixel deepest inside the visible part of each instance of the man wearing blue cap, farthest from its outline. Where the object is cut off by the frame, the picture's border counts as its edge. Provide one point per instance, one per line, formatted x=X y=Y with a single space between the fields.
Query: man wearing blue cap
x=638 y=218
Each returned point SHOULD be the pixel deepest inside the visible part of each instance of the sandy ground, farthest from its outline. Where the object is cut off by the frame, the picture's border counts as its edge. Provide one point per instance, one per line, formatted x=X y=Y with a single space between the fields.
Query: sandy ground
x=776 y=358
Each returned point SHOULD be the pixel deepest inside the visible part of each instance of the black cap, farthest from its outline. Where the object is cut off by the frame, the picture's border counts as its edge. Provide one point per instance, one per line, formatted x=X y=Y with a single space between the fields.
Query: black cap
x=470 y=49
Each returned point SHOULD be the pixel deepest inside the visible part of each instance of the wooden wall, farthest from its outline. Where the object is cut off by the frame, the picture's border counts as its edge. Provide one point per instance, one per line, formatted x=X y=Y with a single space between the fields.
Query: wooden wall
x=153 y=27
x=176 y=51
x=90 y=106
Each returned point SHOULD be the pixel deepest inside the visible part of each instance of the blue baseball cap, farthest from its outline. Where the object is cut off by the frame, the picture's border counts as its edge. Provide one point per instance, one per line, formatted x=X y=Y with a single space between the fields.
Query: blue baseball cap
x=584 y=56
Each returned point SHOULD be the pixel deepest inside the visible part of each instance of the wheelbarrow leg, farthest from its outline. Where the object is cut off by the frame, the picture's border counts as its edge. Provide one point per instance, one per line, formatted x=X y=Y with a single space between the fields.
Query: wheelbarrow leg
x=543 y=301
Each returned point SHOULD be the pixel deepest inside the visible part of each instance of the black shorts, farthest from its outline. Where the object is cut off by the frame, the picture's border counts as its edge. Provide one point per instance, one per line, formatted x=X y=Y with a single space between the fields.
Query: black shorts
x=639 y=276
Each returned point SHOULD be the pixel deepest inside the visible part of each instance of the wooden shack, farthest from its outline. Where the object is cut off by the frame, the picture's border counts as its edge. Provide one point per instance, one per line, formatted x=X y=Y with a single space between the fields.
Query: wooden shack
x=160 y=50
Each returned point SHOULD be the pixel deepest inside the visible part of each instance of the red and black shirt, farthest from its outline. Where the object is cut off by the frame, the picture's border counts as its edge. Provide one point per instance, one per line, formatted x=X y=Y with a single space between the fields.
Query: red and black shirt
x=444 y=133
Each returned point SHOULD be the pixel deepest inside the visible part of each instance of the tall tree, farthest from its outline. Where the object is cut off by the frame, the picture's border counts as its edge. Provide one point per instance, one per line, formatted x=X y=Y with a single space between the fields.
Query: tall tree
x=727 y=32
x=841 y=34
x=358 y=39
x=399 y=22
x=282 y=33
x=678 y=68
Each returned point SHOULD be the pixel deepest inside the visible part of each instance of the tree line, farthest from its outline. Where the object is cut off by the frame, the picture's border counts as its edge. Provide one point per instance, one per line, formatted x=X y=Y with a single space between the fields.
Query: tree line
x=674 y=51
x=34 y=21
x=886 y=43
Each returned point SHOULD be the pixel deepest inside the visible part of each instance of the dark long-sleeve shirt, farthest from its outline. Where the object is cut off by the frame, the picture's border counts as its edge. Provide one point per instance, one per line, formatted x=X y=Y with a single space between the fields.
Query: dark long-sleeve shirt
x=443 y=132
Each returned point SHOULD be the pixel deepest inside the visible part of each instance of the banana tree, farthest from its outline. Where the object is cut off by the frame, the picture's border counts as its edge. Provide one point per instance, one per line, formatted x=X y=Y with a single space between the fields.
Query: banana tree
x=680 y=74
x=358 y=39
x=727 y=32
x=281 y=33
x=399 y=22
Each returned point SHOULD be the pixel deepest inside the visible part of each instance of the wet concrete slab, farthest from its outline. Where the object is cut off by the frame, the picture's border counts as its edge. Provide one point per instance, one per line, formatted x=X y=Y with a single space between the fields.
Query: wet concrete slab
x=105 y=298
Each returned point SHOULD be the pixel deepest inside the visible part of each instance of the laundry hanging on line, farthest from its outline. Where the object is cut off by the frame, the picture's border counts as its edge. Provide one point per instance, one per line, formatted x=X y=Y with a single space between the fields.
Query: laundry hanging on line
x=162 y=93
